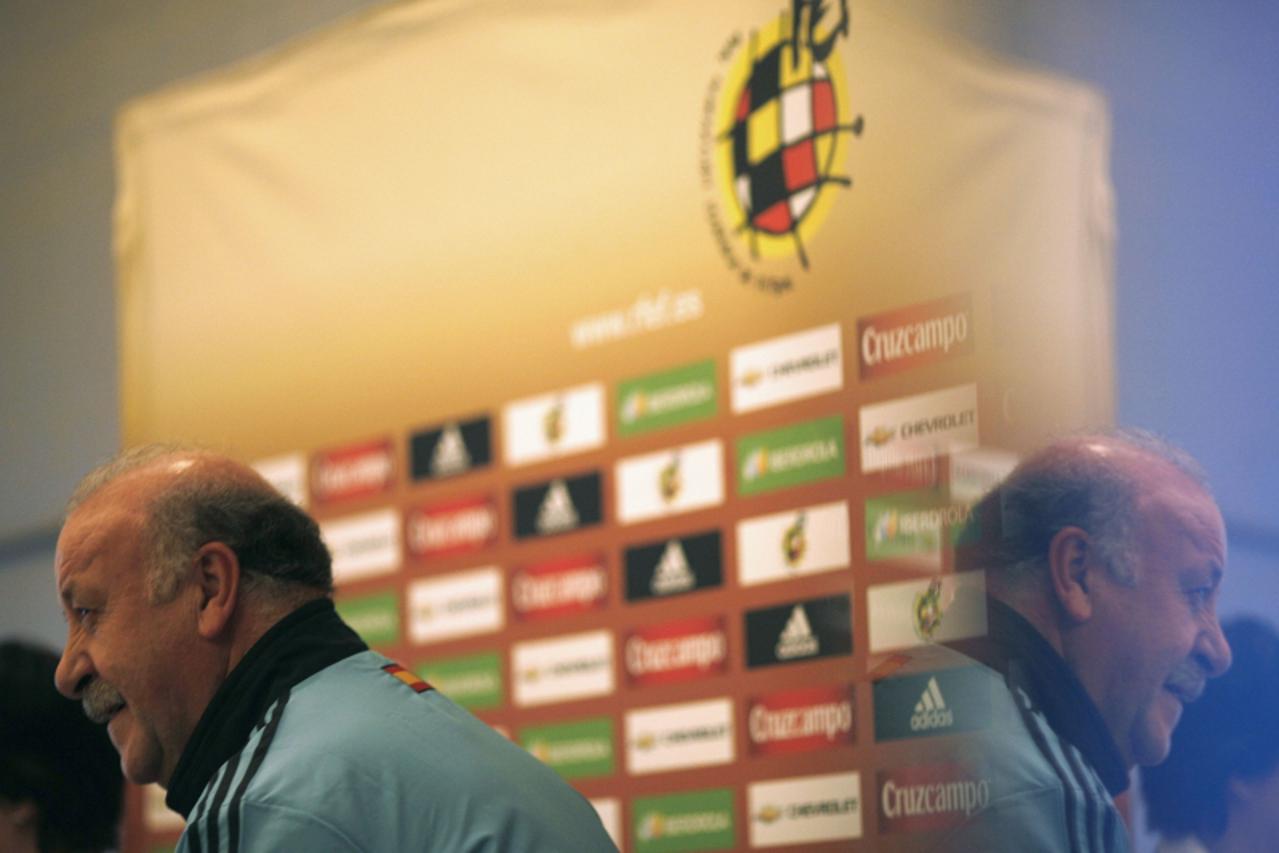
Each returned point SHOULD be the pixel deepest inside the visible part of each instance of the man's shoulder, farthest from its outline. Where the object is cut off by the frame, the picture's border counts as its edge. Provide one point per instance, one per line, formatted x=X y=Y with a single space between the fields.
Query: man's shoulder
x=1034 y=791
x=378 y=758
x=365 y=709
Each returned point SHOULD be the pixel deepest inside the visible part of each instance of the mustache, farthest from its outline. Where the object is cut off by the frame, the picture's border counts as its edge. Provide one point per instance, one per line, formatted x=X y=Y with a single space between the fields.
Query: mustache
x=100 y=701
x=1188 y=680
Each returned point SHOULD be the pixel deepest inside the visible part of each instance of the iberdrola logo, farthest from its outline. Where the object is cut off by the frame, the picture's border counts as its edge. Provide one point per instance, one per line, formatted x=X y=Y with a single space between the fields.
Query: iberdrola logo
x=781 y=128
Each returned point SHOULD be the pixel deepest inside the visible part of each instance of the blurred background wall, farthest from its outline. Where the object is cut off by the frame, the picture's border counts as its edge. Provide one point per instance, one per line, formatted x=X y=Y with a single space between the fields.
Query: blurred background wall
x=1197 y=185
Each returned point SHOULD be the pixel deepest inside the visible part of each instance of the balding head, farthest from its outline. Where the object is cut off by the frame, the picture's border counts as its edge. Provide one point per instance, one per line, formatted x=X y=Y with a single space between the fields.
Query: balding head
x=190 y=497
x=1091 y=481
x=171 y=565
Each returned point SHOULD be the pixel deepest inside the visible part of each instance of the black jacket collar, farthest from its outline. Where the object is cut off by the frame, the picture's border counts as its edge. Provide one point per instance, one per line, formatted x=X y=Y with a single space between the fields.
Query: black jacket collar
x=295 y=648
x=1015 y=649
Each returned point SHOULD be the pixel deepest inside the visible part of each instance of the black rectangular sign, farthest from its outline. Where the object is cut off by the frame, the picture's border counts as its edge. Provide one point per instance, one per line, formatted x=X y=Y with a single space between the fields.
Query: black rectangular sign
x=674 y=566
x=799 y=631
x=558 y=506
x=450 y=449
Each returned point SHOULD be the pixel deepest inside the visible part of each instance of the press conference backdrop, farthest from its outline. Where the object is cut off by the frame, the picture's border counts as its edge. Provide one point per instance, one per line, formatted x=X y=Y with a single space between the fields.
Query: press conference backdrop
x=640 y=362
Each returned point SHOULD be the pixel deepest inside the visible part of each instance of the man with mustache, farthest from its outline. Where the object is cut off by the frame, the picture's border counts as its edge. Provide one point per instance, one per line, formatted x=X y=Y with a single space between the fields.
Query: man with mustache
x=202 y=633
x=1102 y=555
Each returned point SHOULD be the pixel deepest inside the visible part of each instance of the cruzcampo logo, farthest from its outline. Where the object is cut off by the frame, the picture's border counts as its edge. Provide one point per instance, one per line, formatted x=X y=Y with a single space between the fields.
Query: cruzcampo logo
x=574 y=750
x=666 y=399
x=698 y=820
x=775 y=137
x=912 y=524
x=376 y=618
x=789 y=456
x=472 y=681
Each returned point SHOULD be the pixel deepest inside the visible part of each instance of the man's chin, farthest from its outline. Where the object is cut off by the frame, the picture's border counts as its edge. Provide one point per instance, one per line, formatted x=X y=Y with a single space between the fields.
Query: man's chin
x=139 y=761
x=1153 y=739
x=139 y=772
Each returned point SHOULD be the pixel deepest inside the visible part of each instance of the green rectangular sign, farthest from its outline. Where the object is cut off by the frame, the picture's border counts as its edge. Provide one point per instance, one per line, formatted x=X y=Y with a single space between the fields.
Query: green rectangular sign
x=576 y=749
x=472 y=681
x=909 y=524
x=666 y=399
x=789 y=456
x=376 y=618
x=698 y=820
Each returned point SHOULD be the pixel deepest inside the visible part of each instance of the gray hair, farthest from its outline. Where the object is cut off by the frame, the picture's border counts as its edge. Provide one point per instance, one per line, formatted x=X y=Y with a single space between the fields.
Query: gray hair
x=278 y=545
x=1061 y=487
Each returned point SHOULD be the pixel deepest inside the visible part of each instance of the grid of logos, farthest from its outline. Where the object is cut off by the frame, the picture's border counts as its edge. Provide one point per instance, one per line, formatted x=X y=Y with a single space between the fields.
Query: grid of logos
x=656 y=584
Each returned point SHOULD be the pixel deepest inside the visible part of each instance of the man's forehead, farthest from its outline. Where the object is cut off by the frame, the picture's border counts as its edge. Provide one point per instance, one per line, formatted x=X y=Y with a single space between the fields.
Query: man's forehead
x=1179 y=507
x=94 y=528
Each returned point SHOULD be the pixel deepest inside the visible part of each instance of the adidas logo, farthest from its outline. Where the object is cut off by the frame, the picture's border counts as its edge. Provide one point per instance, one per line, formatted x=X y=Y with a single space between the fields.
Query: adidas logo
x=450 y=455
x=931 y=711
x=557 y=513
x=673 y=574
x=796 y=639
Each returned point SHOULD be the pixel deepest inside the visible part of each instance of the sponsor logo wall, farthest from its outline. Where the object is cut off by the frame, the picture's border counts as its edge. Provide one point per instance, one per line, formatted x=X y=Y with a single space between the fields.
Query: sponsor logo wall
x=675 y=613
x=648 y=428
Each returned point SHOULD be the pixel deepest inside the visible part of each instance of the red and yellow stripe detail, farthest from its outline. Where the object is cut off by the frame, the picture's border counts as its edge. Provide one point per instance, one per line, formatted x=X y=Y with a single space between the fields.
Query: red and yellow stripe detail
x=418 y=685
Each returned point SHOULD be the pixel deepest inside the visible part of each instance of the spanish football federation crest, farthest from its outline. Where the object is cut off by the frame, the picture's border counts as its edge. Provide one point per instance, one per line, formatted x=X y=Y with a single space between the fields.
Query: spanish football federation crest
x=928 y=611
x=782 y=127
x=794 y=543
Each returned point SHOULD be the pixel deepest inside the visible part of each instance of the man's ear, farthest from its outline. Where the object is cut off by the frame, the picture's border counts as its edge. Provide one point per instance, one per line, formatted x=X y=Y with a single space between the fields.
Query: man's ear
x=217 y=574
x=1071 y=561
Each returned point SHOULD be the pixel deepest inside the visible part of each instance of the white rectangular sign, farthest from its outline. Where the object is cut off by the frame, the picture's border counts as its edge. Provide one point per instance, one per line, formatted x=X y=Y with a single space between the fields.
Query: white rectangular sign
x=456 y=605
x=786 y=368
x=572 y=666
x=931 y=610
x=910 y=429
x=673 y=737
x=552 y=425
x=363 y=546
x=805 y=810
x=670 y=481
x=802 y=541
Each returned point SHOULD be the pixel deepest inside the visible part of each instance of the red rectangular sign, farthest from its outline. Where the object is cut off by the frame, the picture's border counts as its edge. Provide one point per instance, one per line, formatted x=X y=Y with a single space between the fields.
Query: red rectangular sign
x=800 y=720
x=676 y=651
x=560 y=587
x=352 y=472
x=914 y=336
x=453 y=527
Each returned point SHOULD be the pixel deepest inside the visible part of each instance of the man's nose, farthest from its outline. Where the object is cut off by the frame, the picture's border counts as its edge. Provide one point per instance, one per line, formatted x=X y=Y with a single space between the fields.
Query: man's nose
x=1214 y=649
x=73 y=671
